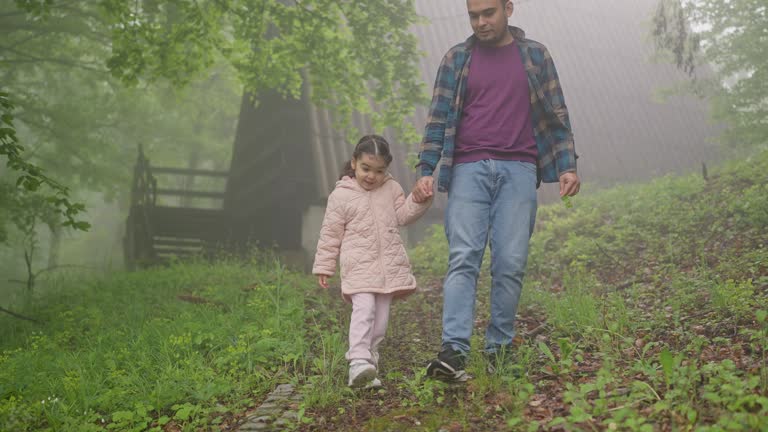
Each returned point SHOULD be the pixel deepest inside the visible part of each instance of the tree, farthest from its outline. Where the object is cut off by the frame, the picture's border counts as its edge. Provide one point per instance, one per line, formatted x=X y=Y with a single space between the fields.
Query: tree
x=349 y=52
x=31 y=177
x=24 y=204
x=93 y=79
x=730 y=37
x=83 y=126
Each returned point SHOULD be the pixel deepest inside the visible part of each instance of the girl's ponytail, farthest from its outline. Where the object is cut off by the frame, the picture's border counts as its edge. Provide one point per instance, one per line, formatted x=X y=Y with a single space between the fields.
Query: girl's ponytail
x=346 y=170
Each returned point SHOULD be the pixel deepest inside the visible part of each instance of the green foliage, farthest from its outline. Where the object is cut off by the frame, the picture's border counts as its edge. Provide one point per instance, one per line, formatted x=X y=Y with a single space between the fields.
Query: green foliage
x=22 y=201
x=638 y=230
x=345 y=53
x=85 y=126
x=650 y=300
x=125 y=352
x=721 y=44
x=82 y=127
x=577 y=309
x=653 y=301
x=430 y=257
x=733 y=297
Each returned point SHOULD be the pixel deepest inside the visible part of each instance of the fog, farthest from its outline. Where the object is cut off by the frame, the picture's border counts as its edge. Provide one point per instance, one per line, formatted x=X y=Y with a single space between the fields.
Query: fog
x=282 y=155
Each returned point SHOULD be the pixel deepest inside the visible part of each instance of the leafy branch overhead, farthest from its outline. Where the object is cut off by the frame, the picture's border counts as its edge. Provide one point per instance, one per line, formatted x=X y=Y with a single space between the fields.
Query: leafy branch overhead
x=349 y=53
x=31 y=177
x=80 y=124
x=722 y=45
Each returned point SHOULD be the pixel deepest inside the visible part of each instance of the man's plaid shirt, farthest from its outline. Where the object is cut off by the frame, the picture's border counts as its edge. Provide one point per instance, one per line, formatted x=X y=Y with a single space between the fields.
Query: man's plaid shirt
x=549 y=115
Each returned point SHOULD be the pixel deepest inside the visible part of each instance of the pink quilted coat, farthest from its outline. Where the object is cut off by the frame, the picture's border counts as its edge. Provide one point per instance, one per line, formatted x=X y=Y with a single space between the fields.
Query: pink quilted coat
x=364 y=227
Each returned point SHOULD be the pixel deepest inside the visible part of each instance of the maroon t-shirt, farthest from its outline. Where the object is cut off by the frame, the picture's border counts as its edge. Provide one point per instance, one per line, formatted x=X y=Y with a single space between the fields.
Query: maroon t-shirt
x=496 y=116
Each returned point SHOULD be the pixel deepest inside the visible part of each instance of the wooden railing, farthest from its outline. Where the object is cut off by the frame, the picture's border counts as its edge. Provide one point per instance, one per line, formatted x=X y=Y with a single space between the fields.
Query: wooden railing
x=144 y=189
x=155 y=231
x=190 y=172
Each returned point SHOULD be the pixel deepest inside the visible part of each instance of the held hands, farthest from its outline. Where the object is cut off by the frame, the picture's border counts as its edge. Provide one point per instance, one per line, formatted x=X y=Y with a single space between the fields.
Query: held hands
x=423 y=190
x=569 y=184
x=323 y=281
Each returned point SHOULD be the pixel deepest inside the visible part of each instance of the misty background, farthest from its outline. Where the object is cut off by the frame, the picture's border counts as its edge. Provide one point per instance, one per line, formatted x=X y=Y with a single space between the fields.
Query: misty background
x=88 y=93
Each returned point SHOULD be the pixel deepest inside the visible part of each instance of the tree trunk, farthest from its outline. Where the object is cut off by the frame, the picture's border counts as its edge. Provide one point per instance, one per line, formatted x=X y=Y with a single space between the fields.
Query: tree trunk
x=54 y=246
x=28 y=254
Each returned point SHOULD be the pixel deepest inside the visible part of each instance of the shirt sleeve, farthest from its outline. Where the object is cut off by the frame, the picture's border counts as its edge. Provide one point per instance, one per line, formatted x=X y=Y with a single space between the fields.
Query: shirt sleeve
x=564 y=148
x=434 y=131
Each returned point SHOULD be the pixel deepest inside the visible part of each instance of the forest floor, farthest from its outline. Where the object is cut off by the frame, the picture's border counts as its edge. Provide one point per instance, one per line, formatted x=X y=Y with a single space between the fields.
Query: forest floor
x=644 y=309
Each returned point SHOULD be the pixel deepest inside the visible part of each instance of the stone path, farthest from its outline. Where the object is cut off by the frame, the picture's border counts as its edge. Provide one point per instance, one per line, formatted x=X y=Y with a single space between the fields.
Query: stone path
x=278 y=411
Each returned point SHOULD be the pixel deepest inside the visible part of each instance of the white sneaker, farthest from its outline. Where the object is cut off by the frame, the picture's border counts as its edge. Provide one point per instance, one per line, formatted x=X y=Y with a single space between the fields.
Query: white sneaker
x=361 y=373
x=375 y=359
x=375 y=384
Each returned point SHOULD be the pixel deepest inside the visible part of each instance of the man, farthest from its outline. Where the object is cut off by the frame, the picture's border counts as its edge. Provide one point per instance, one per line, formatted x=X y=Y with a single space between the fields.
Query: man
x=498 y=126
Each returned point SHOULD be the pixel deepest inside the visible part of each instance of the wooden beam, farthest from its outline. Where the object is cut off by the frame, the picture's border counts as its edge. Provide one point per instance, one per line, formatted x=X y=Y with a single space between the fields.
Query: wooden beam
x=186 y=193
x=162 y=253
x=178 y=242
x=189 y=171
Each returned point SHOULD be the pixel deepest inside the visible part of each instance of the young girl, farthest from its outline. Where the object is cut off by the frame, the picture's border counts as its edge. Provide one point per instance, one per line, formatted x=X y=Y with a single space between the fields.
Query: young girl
x=361 y=224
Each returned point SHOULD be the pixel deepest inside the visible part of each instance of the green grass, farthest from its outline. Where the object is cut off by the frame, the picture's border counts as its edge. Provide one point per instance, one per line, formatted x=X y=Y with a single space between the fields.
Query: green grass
x=654 y=298
x=124 y=352
x=649 y=301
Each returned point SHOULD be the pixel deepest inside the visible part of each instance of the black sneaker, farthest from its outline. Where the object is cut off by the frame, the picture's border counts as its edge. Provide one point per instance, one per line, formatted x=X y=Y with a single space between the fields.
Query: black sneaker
x=448 y=366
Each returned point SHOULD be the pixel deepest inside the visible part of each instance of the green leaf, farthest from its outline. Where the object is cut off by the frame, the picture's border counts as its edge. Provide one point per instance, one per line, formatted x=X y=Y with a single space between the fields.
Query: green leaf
x=667 y=364
x=184 y=412
x=122 y=416
x=761 y=315
x=545 y=349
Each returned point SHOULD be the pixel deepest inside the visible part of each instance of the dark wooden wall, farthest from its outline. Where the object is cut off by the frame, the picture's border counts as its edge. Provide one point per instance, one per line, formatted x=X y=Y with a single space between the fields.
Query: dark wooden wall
x=272 y=176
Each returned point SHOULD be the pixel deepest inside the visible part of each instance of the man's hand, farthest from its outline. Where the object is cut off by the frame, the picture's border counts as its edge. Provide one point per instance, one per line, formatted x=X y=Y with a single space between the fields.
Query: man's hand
x=423 y=189
x=323 y=281
x=569 y=184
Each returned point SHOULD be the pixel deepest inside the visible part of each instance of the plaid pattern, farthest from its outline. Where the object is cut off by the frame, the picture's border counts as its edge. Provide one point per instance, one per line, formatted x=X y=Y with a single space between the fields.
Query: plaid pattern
x=549 y=115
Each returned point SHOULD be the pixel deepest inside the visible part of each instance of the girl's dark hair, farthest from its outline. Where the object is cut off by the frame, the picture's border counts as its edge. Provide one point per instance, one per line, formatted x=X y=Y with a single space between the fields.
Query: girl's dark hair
x=374 y=145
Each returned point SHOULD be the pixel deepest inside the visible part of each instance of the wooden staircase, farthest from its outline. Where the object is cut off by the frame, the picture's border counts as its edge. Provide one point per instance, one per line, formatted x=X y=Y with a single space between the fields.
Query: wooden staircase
x=156 y=233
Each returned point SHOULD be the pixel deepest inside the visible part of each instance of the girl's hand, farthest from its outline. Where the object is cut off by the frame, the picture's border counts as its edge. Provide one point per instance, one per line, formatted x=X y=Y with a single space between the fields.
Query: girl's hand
x=423 y=189
x=323 y=281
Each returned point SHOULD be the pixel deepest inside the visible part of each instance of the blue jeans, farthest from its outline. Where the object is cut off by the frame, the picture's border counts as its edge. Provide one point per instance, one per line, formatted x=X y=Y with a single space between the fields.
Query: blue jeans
x=494 y=201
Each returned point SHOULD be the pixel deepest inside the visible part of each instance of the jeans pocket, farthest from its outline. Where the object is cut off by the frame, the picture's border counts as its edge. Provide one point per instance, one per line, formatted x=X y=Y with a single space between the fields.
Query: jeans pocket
x=529 y=167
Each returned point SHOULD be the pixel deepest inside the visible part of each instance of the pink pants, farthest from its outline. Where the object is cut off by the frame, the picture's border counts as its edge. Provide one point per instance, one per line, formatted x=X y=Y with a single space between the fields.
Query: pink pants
x=368 y=325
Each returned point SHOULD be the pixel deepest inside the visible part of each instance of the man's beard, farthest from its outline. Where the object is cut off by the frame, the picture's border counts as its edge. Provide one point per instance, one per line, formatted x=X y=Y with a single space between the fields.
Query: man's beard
x=498 y=38
x=490 y=42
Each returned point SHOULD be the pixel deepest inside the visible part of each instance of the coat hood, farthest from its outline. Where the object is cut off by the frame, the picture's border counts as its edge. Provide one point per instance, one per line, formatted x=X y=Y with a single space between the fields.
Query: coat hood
x=347 y=182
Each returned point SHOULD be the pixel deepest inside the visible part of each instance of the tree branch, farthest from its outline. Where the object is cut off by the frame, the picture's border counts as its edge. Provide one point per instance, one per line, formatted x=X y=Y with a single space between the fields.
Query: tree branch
x=25 y=40
x=611 y=257
x=30 y=275
x=12 y=14
x=39 y=272
x=19 y=316
x=49 y=60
